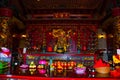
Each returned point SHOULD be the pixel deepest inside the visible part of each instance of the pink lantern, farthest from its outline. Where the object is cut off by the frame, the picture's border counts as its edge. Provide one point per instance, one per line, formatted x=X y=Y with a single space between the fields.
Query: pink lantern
x=44 y=62
x=5 y=51
x=42 y=71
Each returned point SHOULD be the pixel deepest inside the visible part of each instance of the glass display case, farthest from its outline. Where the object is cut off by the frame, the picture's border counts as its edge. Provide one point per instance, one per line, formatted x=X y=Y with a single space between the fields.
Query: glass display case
x=64 y=59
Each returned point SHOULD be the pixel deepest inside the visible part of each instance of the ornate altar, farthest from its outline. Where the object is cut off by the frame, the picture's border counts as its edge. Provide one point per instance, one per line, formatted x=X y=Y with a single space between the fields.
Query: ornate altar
x=64 y=43
x=66 y=37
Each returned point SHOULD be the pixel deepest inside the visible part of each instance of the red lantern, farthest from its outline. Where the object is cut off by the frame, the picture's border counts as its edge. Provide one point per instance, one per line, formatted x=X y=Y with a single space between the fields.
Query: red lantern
x=84 y=48
x=49 y=49
x=5 y=12
x=116 y=11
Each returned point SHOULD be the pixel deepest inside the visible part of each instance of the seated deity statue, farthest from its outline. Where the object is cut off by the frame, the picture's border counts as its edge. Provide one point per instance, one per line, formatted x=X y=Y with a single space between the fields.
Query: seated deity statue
x=61 y=45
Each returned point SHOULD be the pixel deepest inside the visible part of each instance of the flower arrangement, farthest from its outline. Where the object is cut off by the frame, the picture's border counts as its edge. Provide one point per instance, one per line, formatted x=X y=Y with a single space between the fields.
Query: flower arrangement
x=80 y=69
x=80 y=65
x=42 y=64
x=24 y=66
x=32 y=65
x=3 y=64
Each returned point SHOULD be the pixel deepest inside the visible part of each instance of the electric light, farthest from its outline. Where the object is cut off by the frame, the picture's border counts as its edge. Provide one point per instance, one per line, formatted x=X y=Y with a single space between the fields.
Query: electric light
x=23 y=35
x=101 y=36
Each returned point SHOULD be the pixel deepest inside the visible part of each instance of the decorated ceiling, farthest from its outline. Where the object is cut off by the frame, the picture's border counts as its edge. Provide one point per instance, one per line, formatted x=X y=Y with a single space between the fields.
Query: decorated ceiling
x=24 y=7
x=93 y=10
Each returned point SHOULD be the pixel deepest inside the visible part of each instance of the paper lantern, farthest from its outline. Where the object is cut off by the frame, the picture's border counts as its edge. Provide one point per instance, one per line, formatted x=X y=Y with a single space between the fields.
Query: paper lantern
x=5 y=12
x=49 y=49
x=5 y=51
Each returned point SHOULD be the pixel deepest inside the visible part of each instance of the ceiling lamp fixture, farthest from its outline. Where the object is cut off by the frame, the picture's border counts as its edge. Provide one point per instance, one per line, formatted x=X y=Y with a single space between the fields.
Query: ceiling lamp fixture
x=38 y=0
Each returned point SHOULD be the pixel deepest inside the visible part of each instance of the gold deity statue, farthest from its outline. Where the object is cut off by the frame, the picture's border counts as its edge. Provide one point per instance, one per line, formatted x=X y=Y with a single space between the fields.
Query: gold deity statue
x=61 y=45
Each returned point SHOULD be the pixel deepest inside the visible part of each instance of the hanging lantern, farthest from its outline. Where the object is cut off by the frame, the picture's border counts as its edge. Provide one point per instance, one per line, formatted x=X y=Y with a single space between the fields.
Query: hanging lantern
x=116 y=11
x=5 y=12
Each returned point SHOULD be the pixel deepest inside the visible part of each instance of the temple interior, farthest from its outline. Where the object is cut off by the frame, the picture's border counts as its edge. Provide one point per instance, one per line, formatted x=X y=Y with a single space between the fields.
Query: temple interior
x=66 y=39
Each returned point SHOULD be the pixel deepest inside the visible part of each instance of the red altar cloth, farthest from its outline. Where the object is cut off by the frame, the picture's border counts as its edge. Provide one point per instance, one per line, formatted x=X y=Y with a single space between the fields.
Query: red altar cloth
x=48 y=78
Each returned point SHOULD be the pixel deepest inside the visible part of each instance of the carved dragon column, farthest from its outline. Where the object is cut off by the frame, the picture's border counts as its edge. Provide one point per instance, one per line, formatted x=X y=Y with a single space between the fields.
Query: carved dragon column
x=5 y=36
x=116 y=15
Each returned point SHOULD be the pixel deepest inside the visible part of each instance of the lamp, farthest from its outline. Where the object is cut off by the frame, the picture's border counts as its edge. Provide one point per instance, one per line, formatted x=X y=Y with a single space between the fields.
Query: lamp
x=101 y=36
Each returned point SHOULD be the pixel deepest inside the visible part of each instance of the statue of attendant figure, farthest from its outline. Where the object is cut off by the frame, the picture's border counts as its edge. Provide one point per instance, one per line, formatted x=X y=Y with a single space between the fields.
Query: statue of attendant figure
x=116 y=59
x=61 y=45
